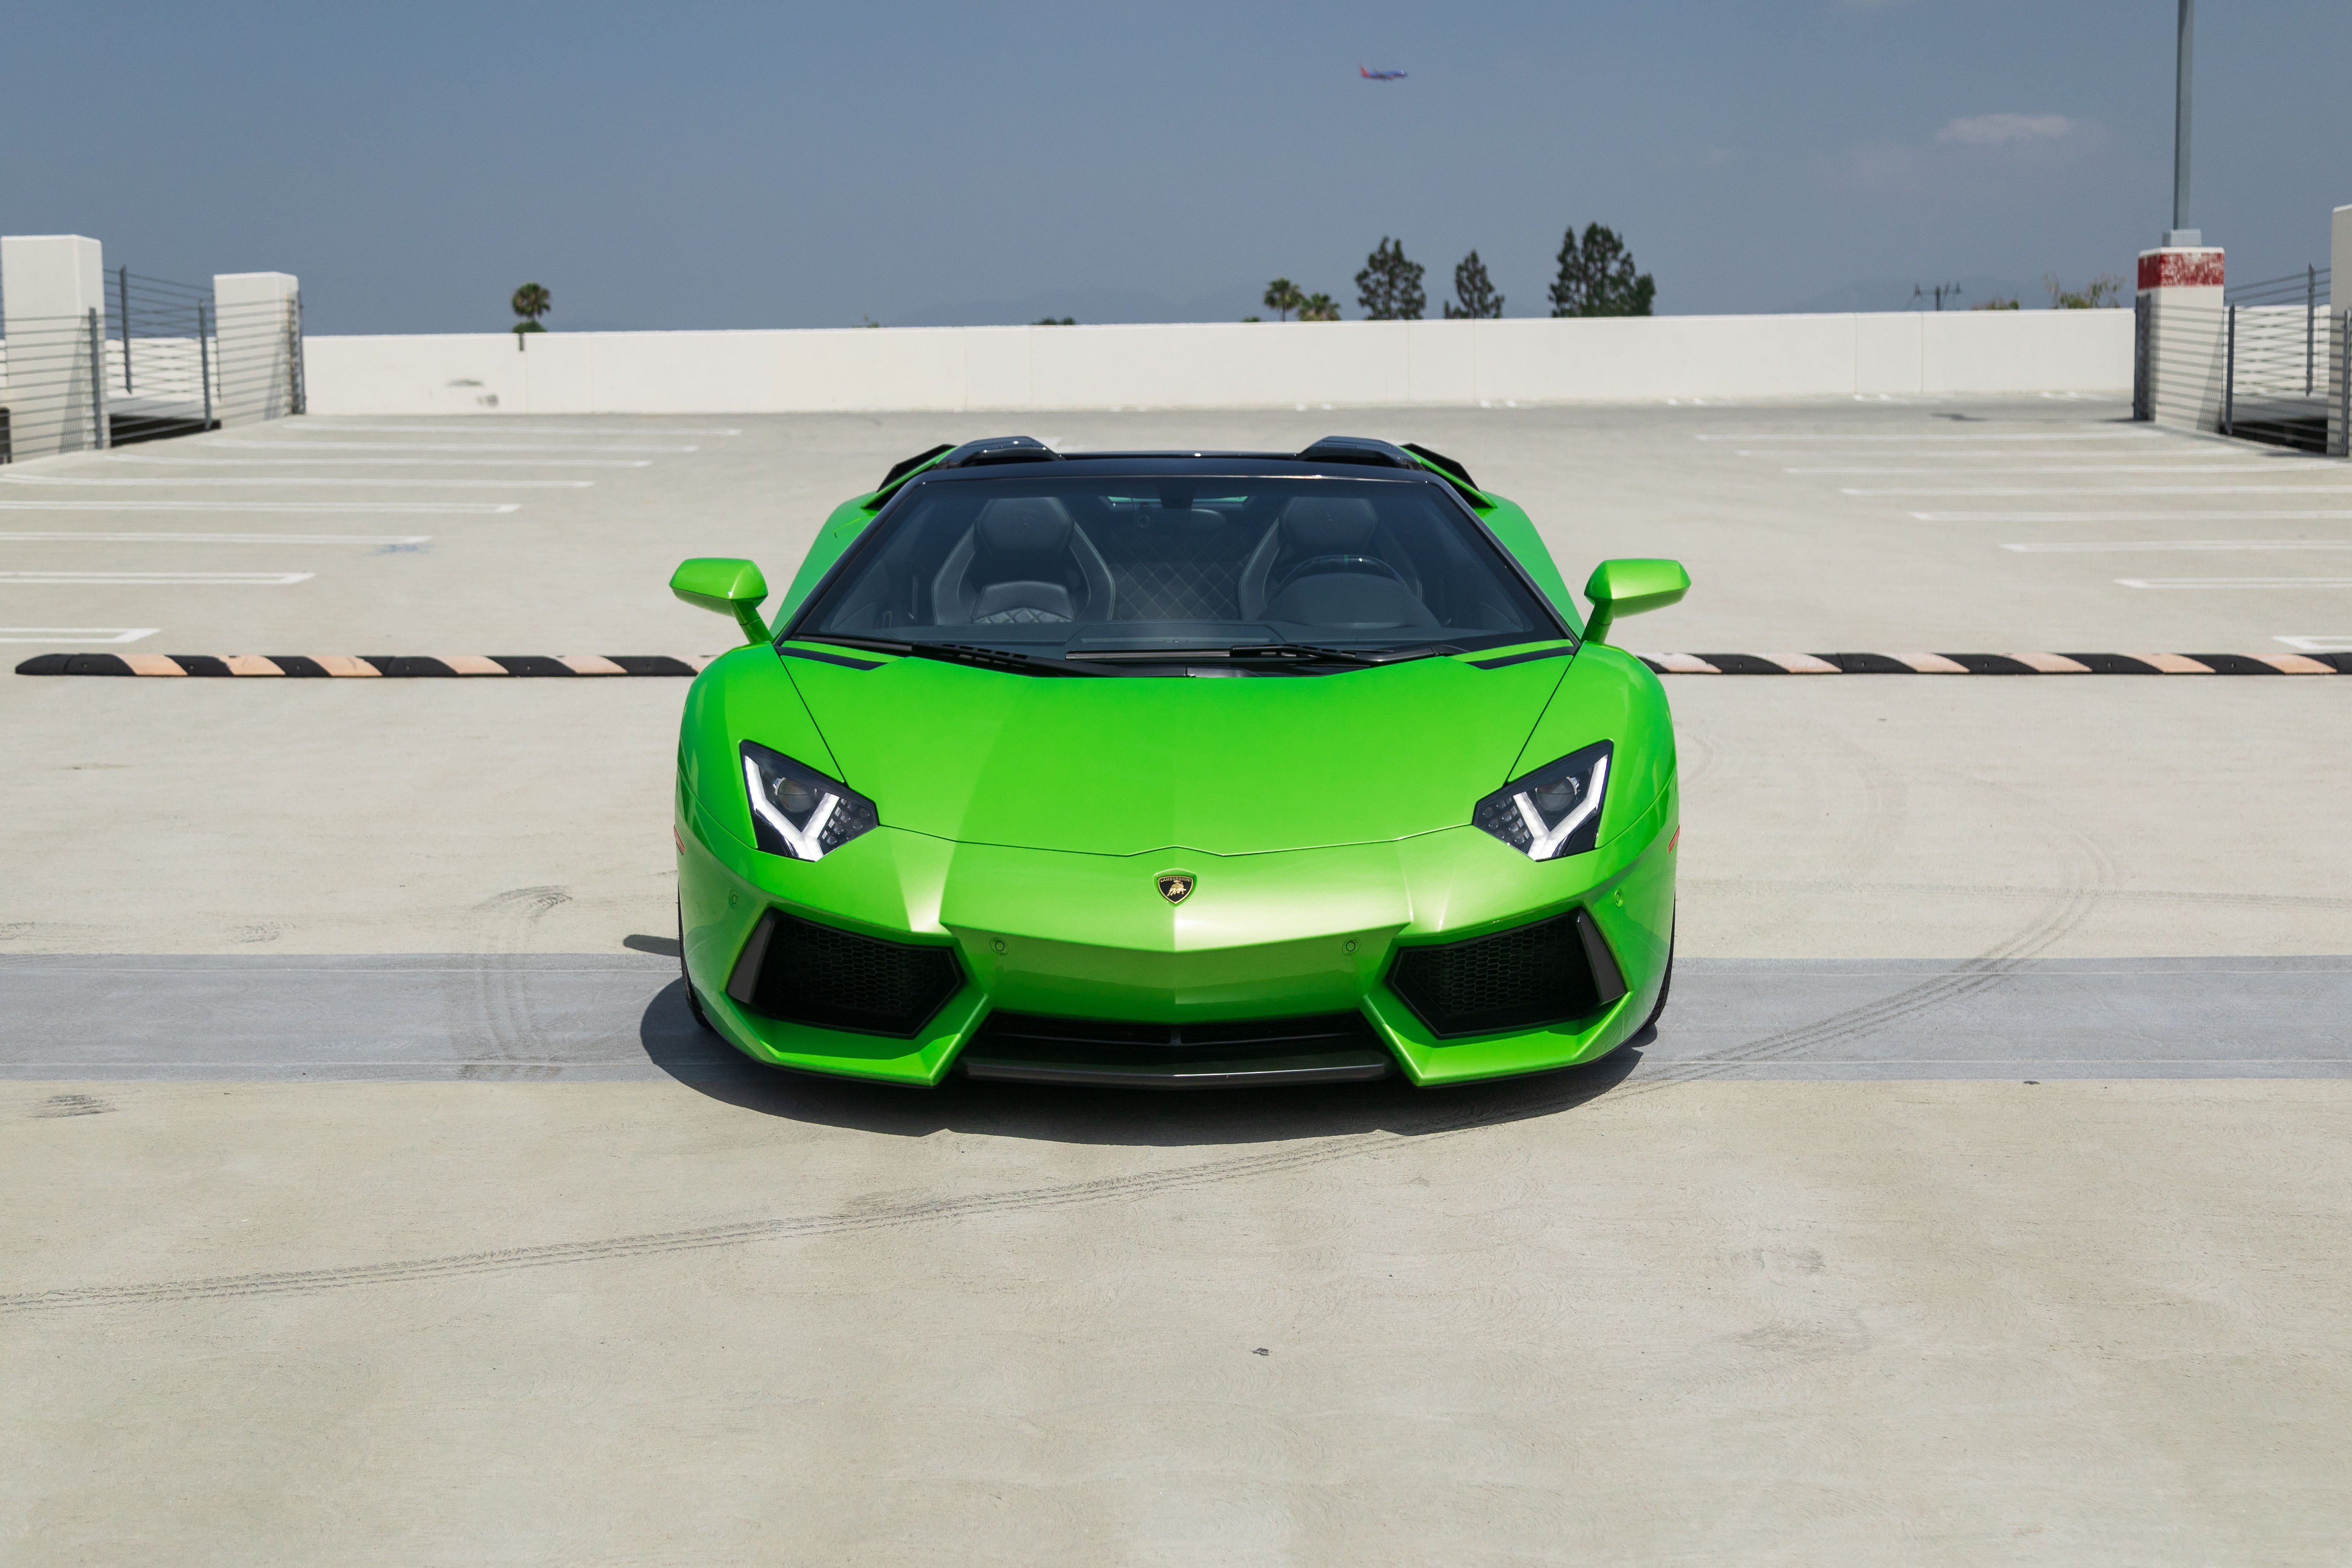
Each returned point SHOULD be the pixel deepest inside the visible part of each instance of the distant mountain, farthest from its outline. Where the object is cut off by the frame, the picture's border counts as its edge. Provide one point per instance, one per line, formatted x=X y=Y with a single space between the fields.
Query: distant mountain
x=1896 y=294
x=1092 y=307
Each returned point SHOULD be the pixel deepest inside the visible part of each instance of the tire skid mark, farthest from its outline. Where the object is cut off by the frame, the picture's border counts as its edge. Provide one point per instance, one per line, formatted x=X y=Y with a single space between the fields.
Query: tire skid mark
x=505 y=1005
x=2075 y=903
x=1565 y=1093
x=699 y=1239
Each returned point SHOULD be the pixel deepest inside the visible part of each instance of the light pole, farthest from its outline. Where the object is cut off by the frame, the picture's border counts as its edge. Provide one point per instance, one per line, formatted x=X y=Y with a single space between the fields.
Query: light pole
x=2180 y=233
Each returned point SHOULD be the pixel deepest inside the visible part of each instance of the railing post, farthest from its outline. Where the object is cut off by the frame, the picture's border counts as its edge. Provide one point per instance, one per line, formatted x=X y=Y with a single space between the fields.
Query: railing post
x=122 y=314
x=2143 y=368
x=2230 y=377
x=204 y=361
x=98 y=379
x=294 y=325
x=2310 y=316
x=2344 y=385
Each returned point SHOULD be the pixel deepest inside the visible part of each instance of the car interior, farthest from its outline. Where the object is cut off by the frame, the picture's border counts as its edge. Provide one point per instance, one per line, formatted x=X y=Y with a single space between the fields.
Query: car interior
x=1283 y=560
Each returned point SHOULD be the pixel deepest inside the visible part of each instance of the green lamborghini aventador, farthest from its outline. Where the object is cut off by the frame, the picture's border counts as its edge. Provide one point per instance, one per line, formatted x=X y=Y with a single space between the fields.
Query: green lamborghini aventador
x=1176 y=769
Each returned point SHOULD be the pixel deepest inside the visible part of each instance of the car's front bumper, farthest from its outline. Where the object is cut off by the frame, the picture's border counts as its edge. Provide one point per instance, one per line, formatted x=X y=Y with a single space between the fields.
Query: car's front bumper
x=1269 y=936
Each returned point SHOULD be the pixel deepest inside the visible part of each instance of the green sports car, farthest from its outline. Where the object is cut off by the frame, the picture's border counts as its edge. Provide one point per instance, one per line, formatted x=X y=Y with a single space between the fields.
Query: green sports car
x=1173 y=770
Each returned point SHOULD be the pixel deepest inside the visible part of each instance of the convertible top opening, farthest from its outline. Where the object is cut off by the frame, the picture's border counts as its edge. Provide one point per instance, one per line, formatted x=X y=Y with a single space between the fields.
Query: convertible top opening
x=1033 y=557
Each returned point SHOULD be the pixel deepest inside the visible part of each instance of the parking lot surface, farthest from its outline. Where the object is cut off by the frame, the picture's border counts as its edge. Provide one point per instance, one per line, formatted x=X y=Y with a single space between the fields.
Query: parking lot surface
x=1980 y=1198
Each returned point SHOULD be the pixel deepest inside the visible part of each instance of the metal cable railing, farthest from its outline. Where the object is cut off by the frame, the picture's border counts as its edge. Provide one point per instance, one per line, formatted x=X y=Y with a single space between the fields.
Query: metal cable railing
x=163 y=359
x=2307 y=288
x=161 y=375
x=56 y=387
x=261 y=357
x=2276 y=350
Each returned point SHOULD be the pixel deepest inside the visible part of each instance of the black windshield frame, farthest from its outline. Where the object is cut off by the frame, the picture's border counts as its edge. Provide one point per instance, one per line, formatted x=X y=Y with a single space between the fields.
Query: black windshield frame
x=1540 y=620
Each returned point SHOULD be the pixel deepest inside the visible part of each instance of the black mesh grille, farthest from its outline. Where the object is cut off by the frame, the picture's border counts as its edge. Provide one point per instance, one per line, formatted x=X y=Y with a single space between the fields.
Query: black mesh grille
x=1517 y=979
x=817 y=974
x=1324 y=1047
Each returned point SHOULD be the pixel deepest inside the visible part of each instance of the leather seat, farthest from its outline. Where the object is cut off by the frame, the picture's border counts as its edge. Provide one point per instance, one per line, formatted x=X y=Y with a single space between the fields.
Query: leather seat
x=1023 y=561
x=1314 y=527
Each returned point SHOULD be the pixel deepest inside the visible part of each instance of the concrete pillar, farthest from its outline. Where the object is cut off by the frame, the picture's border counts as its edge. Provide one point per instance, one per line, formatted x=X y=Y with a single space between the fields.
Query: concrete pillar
x=2339 y=301
x=2177 y=369
x=49 y=283
x=257 y=323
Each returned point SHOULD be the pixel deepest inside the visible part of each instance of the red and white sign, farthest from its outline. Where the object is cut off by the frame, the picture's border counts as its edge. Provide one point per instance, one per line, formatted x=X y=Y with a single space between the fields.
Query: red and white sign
x=2179 y=270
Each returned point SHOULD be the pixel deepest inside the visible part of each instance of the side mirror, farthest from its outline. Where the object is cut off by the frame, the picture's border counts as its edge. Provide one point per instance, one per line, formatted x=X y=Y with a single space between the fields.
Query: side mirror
x=1629 y=587
x=729 y=586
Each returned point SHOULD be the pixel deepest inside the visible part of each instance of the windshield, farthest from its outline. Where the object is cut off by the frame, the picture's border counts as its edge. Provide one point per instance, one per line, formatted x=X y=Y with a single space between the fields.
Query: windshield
x=1087 y=567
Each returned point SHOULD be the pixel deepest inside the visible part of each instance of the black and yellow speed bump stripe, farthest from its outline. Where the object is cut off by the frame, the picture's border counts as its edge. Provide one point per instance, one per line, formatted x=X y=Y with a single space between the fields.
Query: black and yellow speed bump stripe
x=1998 y=663
x=369 y=666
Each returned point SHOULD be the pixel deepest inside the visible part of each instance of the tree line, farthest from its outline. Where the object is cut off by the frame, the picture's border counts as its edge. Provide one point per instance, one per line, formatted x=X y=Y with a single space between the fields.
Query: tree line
x=1596 y=278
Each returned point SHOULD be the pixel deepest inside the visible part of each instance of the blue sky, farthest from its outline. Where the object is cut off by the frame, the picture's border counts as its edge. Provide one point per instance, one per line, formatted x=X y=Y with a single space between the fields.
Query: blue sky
x=720 y=165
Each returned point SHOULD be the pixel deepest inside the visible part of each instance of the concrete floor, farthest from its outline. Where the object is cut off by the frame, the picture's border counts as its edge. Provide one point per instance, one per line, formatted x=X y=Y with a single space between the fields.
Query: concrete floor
x=1669 y=1312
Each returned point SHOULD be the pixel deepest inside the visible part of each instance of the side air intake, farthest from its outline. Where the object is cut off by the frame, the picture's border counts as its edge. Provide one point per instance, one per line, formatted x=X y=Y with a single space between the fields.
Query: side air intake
x=809 y=974
x=1548 y=972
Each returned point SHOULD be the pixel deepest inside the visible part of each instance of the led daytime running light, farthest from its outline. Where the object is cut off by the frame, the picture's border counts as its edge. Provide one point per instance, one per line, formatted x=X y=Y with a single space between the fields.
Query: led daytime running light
x=798 y=811
x=808 y=843
x=1554 y=812
x=1543 y=843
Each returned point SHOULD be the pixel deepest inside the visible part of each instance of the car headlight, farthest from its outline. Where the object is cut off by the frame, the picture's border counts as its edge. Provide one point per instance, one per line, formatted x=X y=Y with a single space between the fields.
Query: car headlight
x=1553 y=810
x=797 y=810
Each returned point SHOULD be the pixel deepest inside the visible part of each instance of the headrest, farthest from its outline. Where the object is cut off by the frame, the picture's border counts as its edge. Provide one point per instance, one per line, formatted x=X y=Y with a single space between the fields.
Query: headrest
x=1023 y=525
x=1329 y=525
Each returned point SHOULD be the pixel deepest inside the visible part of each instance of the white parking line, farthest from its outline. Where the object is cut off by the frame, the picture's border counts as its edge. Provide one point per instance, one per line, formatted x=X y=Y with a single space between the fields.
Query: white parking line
x=2235 y=582
x=2112 y=491
x=387 y=462
x=116 y=635
x=306 y=479
x=159 y=578
x=1920 y=435
x=70 y=538
x=429 y=446
x=1964 y=456
x=2099 y=468
x=2131 y=516
x=339 y=508
x=2338 y=643
x=2183 y=544
x=493 y=428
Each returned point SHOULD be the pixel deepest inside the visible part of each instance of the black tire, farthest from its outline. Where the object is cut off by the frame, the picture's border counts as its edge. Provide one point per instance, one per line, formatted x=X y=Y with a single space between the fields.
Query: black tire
x=693 y=1002
x=1666 y=986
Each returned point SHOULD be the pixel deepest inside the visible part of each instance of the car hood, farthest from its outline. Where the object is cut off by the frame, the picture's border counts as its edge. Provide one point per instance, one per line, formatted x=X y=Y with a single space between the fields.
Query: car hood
x=1124 y=765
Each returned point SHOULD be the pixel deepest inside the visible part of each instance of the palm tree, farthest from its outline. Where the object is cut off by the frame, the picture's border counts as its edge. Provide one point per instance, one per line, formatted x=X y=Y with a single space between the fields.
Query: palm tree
x=1283 y=295
x=1318 y=307
x=531 y=302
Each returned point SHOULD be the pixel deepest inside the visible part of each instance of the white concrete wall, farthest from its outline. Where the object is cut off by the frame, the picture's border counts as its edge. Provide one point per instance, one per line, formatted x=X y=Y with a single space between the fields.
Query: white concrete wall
x=252 y=316
x=49 y=283
x=2188 y=331
x=1221 y=364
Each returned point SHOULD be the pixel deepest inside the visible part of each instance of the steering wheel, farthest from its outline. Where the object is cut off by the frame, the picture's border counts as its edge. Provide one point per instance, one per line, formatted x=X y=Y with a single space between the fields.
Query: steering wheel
x=1361 y=565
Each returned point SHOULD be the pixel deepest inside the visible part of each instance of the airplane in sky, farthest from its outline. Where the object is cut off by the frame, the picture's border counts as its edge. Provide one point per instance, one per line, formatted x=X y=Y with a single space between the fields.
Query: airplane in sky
x=1380 y=75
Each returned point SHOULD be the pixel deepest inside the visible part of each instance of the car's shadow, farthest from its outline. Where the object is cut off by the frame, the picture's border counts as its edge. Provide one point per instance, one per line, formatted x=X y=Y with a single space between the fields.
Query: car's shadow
x=701 y=1061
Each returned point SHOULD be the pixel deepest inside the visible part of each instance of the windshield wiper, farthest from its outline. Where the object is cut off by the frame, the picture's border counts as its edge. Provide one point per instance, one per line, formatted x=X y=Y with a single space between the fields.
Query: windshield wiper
x=1310 y=652
x=960 y=652
x=1279 y=652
